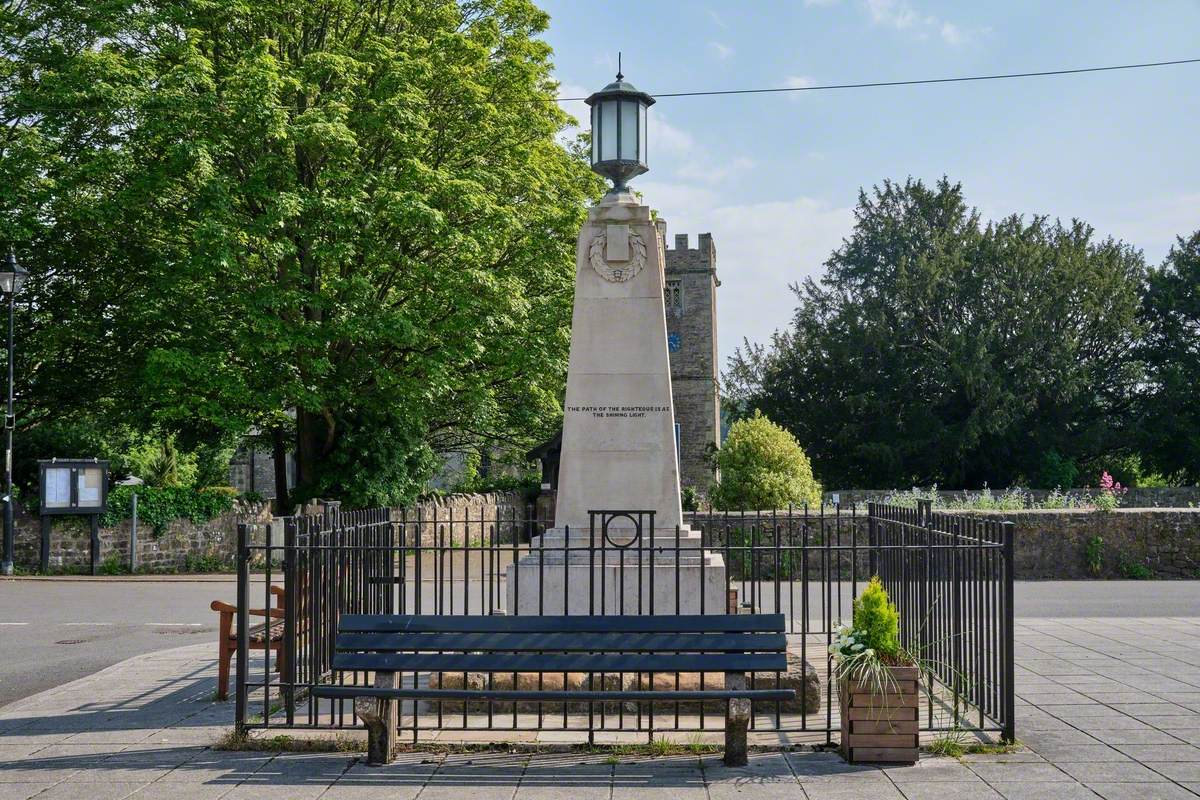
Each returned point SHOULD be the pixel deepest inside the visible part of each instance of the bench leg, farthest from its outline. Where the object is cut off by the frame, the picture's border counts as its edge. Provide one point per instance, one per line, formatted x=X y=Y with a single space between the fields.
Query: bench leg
x=737 y=719
x=381 y=718
x=224 y=656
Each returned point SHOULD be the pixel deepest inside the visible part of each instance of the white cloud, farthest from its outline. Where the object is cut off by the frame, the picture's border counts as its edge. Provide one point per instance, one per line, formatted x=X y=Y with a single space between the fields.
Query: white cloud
x=716 y=18
x=903 y=16
x=952 y=34
x=722 y=51
x=666 y=139
x=708 y=172
x=761 y=248
x=798 y=82
x=894 y=14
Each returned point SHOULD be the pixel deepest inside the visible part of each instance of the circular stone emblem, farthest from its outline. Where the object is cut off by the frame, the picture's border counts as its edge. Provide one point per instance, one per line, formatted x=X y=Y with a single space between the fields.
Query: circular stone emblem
x=617 y=271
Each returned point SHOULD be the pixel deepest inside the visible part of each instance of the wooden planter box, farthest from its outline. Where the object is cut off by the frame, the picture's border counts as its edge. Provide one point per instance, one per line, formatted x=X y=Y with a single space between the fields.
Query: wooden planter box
x=881 y=727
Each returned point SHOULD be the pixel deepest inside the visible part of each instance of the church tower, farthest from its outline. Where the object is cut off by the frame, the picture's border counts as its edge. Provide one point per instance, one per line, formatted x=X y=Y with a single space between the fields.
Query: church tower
x=690 y=296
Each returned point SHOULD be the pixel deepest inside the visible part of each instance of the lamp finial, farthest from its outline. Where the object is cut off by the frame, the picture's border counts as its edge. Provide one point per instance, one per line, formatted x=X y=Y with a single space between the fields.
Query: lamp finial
x=619 y=75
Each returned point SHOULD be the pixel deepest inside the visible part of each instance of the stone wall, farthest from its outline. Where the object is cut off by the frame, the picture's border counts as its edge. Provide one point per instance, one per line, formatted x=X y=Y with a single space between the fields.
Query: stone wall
x=167 y=549
x=471 y=518
x=1050 y=544
x=1137 y=497
x=1125 y=543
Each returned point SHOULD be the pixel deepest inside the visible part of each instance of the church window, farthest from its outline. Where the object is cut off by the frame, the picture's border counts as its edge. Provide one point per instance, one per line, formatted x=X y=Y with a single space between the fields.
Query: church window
x=673 y=297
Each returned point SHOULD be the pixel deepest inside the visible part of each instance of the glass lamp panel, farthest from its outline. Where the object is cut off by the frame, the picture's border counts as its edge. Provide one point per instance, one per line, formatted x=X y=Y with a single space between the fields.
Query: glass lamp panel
x=629 y=130
x=595 y=133
x=608 y=130
x=643 y=111
x=6 y=282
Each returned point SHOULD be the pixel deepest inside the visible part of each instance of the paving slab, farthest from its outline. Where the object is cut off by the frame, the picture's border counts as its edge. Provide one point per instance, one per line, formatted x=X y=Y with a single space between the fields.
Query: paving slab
x=942 y=790
x=1141 y=791
x=1102 y=713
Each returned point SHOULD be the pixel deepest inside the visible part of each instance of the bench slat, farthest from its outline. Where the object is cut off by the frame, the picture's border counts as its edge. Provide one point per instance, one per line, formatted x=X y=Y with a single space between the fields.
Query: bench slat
x=550 y=696
x=565 y=642
x=662 y=623
x=556 y=662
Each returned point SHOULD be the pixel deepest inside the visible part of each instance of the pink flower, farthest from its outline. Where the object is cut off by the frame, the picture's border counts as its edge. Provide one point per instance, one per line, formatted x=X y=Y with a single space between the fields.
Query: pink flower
x=1109 y=485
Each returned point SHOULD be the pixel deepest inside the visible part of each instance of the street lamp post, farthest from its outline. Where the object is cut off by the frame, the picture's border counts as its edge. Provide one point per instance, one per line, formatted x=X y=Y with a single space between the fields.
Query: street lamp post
x=12 y=277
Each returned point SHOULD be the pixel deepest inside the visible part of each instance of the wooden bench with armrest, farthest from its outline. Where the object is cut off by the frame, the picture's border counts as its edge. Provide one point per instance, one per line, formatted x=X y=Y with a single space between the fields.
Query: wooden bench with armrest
x=266 y=635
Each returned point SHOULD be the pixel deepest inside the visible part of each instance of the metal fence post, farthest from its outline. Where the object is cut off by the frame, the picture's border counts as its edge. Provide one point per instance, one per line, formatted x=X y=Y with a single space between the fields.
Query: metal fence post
x=1009 y=660
x=44 y=545
x=133 y=559
x=243 y=626
x=95 y=524
x=872 y=543
x=289 y=618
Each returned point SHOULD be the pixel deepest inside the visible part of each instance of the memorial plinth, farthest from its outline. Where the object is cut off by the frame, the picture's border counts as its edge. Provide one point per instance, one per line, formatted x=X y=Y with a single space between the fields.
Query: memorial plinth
x=618 y=446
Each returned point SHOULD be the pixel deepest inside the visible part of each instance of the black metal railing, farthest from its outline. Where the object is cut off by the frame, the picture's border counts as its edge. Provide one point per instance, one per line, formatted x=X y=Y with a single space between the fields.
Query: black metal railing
x=950 y=576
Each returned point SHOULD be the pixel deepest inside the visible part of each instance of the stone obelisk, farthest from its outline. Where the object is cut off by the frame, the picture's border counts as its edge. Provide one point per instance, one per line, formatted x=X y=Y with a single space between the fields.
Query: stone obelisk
x=619 y=449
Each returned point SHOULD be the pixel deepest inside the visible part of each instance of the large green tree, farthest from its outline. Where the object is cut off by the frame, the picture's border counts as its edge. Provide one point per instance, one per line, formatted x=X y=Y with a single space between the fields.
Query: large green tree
x=940 y=349
x=1170 y=399
x=346 y=223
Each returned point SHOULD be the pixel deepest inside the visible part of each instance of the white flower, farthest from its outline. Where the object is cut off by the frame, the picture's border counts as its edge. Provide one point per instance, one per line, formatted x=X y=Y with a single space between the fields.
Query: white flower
x=870 y=653
x=857 y=647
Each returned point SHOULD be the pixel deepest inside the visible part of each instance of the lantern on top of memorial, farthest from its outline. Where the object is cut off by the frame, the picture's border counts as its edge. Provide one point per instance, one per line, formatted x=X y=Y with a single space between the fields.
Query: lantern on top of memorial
x=619 y=132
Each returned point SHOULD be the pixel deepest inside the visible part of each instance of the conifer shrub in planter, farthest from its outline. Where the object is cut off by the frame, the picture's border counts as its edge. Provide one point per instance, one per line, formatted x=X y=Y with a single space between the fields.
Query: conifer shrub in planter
x=878 y=683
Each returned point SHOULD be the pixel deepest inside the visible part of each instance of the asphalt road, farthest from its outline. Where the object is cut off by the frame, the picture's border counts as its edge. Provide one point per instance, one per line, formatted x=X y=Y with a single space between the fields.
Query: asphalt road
x=55 y=631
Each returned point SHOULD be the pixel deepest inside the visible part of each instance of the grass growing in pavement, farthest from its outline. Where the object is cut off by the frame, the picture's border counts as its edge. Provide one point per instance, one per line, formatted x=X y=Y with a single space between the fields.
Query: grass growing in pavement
x=956 y=745
x=658 y=748
x=232 y=740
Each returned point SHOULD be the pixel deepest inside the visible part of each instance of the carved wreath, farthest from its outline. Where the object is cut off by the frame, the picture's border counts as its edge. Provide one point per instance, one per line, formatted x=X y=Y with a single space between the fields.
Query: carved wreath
x=620 y=271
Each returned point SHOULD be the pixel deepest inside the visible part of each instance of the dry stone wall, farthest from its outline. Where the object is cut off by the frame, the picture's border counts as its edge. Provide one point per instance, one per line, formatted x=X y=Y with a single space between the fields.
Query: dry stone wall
x=1137 y=497
x=1062 y=544
x=473 y=519
x=175 y=546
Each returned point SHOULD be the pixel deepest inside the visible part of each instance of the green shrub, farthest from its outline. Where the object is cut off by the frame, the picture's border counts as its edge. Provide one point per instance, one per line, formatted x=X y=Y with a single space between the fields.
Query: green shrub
x=876 y=616
x=206 y=562
x=1057 y=471
x=159 y=463
x=112 y=565
x=1093 y=553
x=762 y=467
x=157 y=506
x=1135 y=570
x=689 y=498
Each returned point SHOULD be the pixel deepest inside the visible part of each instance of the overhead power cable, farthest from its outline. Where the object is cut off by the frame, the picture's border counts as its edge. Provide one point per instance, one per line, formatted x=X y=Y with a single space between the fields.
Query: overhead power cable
x=918 y=82
x=768 y=90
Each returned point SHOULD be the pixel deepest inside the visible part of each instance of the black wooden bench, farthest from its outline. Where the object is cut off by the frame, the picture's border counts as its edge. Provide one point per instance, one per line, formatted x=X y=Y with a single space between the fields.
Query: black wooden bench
x=389 y=645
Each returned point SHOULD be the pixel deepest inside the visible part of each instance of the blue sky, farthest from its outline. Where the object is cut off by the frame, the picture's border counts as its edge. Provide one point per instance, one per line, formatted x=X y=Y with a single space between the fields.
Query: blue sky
x=775 y=177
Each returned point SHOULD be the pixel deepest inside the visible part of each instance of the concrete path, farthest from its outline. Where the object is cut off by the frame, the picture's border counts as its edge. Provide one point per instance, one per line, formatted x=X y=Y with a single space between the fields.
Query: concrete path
x=1108 y=707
